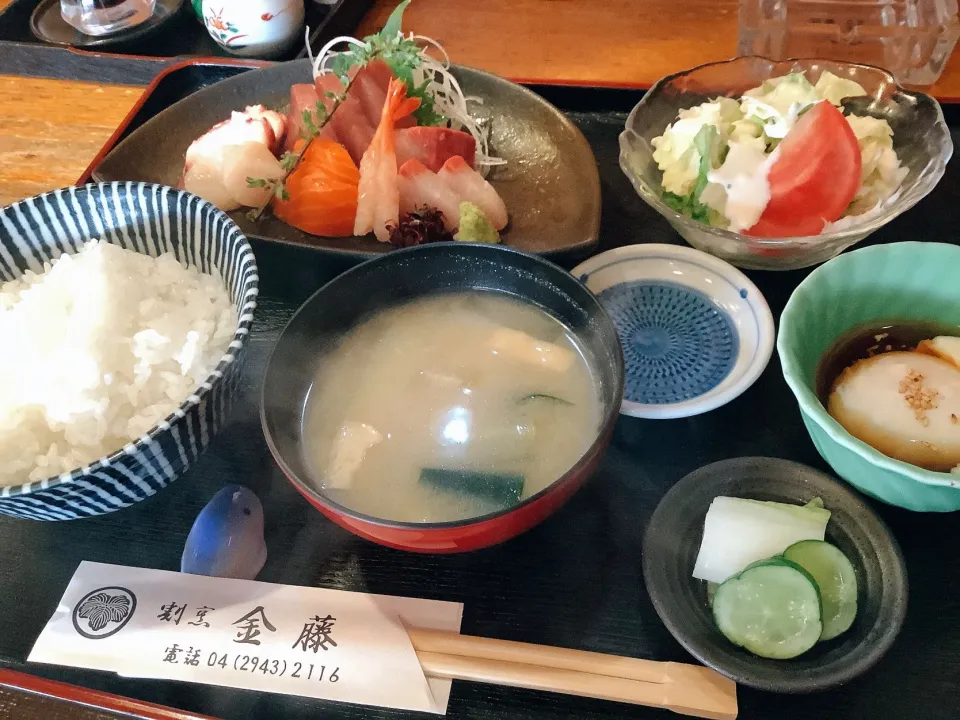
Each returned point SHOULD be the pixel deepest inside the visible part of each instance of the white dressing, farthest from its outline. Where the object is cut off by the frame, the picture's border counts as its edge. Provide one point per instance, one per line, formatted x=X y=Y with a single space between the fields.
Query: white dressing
x=739 y=189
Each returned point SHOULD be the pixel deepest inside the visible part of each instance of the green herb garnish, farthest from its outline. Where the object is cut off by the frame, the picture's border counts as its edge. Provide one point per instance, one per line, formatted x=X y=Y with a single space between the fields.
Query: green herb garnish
x=313 y=123
x=402 y=56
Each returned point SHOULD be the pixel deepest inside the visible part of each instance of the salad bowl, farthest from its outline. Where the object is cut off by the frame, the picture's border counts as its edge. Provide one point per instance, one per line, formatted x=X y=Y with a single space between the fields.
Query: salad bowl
x=921 y=140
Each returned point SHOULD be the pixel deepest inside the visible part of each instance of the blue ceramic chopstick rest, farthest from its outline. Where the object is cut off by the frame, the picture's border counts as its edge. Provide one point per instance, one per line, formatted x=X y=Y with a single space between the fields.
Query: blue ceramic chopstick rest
x=226 y=539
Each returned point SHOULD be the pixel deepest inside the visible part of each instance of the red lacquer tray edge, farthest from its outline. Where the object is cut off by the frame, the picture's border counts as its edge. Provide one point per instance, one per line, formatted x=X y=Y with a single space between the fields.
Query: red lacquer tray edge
x=92 y=698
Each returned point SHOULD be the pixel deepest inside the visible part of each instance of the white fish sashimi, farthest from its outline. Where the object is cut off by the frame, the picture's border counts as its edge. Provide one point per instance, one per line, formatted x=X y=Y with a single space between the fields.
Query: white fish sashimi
x=472 y=187
x=420 y=187
x=205 y=178
x=737 y=532
x=250 y=160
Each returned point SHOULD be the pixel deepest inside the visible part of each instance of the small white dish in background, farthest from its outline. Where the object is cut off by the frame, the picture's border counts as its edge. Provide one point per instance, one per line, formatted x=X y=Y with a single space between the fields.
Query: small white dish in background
x=696 y=333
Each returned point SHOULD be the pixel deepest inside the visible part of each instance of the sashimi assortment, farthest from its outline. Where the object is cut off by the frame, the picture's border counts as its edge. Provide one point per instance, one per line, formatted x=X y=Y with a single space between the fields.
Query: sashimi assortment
x=380 y=142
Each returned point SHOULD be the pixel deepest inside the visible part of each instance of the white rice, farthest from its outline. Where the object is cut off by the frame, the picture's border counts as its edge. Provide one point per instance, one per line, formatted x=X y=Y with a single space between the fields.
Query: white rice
x=98 y=349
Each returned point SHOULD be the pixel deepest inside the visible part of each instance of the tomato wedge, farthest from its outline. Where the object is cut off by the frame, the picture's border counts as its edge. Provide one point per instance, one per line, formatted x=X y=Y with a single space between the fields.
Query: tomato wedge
x=815 y=176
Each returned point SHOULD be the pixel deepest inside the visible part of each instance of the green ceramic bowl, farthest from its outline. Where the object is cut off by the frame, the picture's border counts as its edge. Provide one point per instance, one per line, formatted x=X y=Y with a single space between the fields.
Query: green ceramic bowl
x=900 y=281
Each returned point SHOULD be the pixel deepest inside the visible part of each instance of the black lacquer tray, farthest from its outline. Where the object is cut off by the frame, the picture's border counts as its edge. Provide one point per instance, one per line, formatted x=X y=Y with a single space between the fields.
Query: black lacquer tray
x=573 y=581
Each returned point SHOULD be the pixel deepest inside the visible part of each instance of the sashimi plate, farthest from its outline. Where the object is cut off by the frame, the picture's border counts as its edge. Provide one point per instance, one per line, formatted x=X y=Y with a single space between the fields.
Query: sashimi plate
x=549 y=183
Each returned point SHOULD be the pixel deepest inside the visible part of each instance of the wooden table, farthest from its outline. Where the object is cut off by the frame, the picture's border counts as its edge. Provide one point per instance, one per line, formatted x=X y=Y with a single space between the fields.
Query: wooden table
x=51 y=129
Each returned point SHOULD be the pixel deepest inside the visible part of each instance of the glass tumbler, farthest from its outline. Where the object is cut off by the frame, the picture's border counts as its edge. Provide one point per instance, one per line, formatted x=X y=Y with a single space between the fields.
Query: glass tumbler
x=103 y=17
x=912 y=39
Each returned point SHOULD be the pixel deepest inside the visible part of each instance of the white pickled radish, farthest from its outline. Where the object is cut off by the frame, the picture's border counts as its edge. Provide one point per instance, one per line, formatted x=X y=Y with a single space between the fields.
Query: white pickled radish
x=737 y=532
x=249 y=160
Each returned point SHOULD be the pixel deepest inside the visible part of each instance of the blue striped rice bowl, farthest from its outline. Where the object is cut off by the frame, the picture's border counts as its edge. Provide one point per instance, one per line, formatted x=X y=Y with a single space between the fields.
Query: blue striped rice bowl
x=151 y=220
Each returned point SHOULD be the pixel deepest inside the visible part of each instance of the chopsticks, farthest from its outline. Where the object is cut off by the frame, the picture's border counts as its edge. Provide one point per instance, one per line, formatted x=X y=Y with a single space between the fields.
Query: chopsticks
x=684 y=689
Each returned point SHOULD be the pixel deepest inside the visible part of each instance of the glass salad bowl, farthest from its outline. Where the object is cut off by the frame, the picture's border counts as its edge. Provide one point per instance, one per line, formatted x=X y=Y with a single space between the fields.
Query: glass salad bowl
x=921 y=140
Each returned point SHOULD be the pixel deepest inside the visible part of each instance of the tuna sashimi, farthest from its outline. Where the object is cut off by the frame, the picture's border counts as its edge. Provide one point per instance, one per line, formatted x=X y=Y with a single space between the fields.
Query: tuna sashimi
x=304 y=97
x=472 y=187
x=378 y=194
x=352 y=128
x=328 y=85
x=370 y=85
x=322 y=190
x=419 y=186
x=433 y=146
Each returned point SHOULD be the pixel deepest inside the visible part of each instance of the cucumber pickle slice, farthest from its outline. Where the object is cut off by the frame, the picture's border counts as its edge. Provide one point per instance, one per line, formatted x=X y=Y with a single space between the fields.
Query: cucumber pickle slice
x=835 y=576
x=772 y=609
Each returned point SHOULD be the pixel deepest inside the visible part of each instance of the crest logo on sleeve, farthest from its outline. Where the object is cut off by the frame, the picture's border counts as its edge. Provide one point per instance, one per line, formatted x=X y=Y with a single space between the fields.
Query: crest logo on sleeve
x=104 y=612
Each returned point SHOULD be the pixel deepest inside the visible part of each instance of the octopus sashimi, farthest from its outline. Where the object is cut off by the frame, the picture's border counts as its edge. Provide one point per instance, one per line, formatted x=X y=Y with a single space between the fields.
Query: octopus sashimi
x=218 y=163
x=378 y=194
x=472 y=187
x=221 y=176
x=277 y=122
x=239 y=129
x=252 y=160
x=419 y=187
x=204 y=178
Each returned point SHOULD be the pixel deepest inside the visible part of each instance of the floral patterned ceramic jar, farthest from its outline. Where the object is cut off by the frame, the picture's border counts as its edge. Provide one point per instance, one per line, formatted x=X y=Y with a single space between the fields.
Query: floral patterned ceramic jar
x=254 y=28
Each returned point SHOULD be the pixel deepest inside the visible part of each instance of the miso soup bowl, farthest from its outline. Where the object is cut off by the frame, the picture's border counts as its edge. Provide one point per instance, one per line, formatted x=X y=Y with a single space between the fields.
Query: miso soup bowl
x=401 y=276
x=900 y=281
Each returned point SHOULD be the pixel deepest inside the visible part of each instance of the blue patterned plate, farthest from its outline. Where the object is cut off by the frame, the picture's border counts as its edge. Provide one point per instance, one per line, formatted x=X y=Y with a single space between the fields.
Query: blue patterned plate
x=695 y=331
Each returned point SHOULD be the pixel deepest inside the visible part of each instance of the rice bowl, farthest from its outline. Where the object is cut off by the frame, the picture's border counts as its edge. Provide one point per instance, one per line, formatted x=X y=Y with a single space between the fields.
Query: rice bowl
x=175 y=371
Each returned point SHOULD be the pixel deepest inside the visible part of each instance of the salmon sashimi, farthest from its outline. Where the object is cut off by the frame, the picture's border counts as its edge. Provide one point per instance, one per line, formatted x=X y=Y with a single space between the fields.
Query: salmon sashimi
x=378 y=194
x=304 y=97
x=472 y=187
x=322 y=191
x=419 y=186
x=433 y=146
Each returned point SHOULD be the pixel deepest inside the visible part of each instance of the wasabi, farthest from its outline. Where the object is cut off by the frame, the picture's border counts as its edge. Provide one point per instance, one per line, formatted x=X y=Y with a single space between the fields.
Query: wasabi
x=474 y=226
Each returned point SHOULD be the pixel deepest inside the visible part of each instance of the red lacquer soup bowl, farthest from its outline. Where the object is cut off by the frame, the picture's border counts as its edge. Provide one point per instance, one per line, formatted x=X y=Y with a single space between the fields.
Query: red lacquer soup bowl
x=341 y=305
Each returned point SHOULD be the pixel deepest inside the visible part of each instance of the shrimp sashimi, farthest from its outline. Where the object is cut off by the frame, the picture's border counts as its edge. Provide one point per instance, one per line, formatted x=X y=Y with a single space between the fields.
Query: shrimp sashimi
x=419 y=187
x=470 y=186
x=378 y=194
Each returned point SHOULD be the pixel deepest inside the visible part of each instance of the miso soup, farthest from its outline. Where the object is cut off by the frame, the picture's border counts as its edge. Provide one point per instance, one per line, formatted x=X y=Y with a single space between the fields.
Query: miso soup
x=449 y=407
